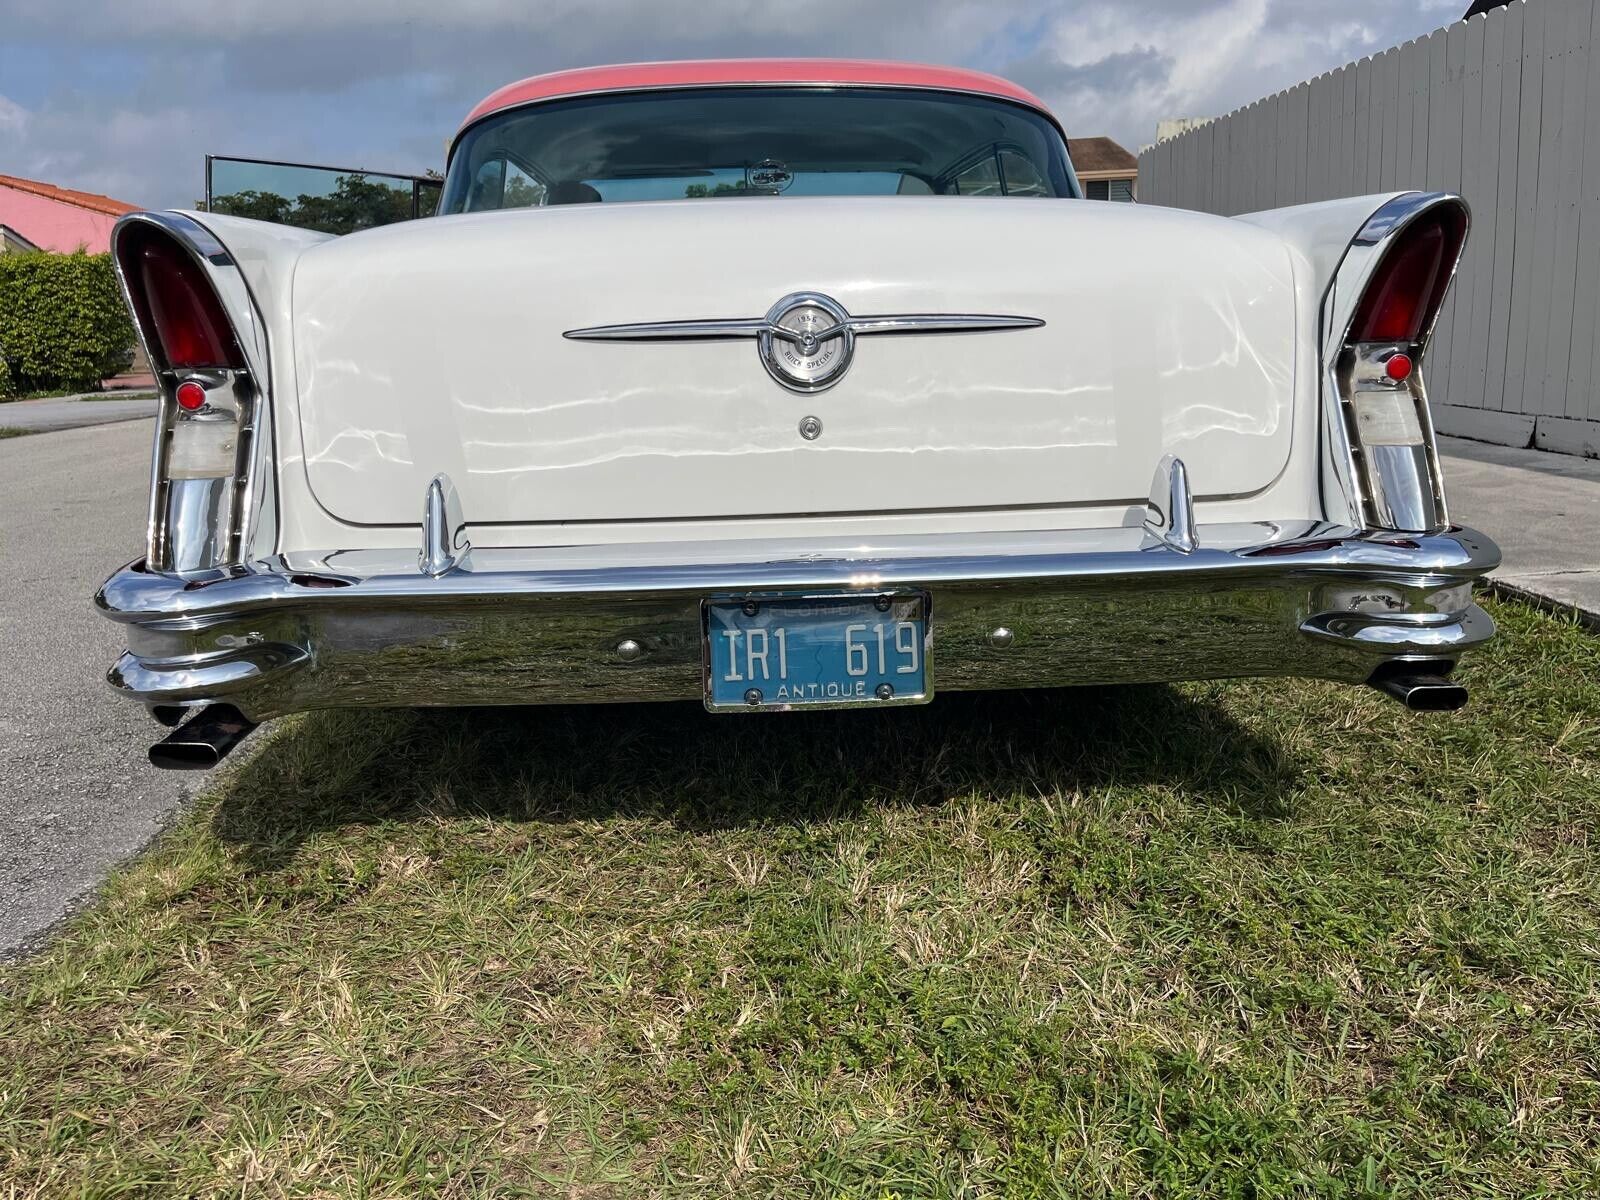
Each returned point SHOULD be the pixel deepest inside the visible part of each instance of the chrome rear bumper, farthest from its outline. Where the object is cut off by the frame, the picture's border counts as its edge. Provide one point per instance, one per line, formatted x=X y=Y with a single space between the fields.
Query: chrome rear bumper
x=551 y=626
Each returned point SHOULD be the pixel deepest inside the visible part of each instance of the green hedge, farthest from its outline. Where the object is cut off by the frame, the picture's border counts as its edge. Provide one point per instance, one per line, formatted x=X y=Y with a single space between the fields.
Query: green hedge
x=62 y=321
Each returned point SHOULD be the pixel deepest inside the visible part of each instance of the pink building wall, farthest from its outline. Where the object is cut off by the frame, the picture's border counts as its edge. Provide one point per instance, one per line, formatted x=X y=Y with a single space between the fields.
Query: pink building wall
x=54 y=224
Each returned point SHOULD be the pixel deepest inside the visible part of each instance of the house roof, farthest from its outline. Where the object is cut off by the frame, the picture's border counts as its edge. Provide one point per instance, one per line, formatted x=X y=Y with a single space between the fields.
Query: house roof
x=725 y=72
x=1480 y=7
x=1101 y=156
x=90 y=200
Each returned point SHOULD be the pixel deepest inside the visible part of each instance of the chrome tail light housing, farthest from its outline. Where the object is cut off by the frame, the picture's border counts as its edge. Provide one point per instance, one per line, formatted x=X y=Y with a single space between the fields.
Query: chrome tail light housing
x=1378 y=323
x=200 y=331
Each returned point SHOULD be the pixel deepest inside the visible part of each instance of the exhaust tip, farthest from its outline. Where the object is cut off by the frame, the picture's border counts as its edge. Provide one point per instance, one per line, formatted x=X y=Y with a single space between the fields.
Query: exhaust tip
x=184 y=756
x=1427 y=695
x=1421 y=687
x=202 y=741
x=170 y=715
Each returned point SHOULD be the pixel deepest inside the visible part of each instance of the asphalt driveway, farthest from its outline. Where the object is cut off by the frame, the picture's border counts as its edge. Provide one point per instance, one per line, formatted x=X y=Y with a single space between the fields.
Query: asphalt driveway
x=70 y=412
x=77 y=794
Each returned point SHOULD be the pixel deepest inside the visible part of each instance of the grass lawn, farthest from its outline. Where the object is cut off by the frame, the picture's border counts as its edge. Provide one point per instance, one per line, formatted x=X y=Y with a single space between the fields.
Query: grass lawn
x=11 y=431
x=1234 y=939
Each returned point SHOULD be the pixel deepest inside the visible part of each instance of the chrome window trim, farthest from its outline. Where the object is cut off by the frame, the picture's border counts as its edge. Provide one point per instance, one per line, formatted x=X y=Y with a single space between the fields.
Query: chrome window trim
x=1066 y=148
x=249 y=327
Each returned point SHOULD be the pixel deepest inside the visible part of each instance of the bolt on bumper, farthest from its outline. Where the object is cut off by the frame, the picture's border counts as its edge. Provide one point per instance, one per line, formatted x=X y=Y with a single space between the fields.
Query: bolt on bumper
x=544 y=626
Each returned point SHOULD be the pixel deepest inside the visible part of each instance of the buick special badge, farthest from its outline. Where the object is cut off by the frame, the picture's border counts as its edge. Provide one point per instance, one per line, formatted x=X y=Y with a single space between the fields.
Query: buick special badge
x=807 y=340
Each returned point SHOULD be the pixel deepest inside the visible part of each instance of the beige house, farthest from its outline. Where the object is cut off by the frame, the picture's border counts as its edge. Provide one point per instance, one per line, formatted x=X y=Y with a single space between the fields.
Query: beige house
x=1106 y=170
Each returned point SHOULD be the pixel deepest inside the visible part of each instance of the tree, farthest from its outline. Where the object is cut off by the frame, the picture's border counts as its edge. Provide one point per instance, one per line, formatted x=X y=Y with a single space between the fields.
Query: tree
x=355 y=203
x=262 y=206
x=698 y=191
x=62 y=321
x=521 y=192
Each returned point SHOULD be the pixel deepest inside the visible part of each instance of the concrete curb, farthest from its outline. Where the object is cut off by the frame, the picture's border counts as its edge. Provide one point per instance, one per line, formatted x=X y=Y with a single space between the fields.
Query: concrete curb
x=1505 y=590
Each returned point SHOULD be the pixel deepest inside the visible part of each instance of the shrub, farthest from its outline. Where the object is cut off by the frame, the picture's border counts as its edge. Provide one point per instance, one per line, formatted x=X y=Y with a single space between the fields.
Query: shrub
x=62 y=320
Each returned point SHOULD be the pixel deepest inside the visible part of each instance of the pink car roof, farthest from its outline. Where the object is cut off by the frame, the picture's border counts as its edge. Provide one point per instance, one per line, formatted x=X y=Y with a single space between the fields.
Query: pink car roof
x=725 y=72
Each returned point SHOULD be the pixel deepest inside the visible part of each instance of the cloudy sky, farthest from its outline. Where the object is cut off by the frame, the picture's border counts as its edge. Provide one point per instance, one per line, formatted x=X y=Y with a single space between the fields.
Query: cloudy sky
x=127 y=96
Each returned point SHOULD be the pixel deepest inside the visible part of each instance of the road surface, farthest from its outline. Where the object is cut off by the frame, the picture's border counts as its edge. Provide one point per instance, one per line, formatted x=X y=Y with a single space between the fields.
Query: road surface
x=77 y=795
x=69 y=412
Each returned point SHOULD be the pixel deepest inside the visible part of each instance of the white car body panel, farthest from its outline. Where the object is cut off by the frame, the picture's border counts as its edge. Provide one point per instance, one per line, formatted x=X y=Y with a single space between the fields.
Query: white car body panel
x=437 y=346
x=1313 y=239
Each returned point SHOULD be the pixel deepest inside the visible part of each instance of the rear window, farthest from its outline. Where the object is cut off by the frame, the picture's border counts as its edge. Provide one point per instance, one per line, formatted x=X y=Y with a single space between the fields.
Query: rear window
x=716 y=143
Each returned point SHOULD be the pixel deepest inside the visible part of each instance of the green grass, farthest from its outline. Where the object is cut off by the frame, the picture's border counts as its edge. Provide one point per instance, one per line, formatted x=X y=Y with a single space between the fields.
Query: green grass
x=95 y=396
x=1252 y=940
x=40 y=394
x=11 y=431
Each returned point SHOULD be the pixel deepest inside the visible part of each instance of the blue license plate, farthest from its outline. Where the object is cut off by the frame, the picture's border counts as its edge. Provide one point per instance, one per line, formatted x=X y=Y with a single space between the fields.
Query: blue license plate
x=827 y=651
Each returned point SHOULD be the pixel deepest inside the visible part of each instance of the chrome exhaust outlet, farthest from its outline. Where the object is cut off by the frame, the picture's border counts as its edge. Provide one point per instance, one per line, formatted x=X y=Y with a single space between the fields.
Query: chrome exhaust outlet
x=1420 y=686
x=170 y=715
x=202 y=741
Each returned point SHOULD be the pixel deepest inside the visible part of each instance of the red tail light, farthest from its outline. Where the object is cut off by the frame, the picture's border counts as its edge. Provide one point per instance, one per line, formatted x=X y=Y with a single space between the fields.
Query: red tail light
x=176 y=304
x=1409 y=285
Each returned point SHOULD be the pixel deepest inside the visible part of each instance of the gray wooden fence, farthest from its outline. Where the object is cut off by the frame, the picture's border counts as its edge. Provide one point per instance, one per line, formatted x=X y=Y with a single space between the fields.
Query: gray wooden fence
x=1505 y=109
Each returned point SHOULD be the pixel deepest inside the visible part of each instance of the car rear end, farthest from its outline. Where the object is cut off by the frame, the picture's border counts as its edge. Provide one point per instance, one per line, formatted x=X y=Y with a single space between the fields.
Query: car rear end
x=547 y=456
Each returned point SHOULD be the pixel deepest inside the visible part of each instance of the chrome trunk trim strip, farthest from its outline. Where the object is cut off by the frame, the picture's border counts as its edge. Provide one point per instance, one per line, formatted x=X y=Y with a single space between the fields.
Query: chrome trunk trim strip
x=818 y=336
x=736 y=328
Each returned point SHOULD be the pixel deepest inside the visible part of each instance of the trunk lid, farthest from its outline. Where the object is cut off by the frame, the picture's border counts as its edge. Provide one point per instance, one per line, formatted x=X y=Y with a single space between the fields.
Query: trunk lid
x=438 y=346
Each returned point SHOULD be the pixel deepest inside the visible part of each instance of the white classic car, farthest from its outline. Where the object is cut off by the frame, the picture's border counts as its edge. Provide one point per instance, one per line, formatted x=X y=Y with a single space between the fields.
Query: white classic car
x=784 y=385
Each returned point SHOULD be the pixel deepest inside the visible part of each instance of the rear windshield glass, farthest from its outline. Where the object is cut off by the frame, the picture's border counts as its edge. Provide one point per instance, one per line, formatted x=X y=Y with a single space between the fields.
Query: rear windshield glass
x=733 y=142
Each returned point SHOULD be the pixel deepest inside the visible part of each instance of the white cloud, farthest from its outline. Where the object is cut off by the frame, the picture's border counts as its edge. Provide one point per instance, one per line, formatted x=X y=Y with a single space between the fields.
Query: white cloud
x=13 y=119
x=383 y=85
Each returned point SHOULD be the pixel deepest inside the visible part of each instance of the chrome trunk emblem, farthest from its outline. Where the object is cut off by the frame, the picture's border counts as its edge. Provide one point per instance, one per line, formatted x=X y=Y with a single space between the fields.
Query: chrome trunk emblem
x=807 y=340
x=808 y=343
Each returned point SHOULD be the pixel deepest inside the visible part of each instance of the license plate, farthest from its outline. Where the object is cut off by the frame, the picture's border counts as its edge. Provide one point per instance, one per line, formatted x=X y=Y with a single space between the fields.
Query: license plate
x=816 y=652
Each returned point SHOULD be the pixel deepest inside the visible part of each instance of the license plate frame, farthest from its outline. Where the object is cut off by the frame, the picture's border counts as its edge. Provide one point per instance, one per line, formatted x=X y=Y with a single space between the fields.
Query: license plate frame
x=895 y=606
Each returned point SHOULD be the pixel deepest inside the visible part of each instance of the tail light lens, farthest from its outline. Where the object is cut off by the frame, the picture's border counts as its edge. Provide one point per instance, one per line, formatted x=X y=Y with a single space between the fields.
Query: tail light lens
x=1409 y=285
x=1379 y=373
x=177 y=306
x=200 y=493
